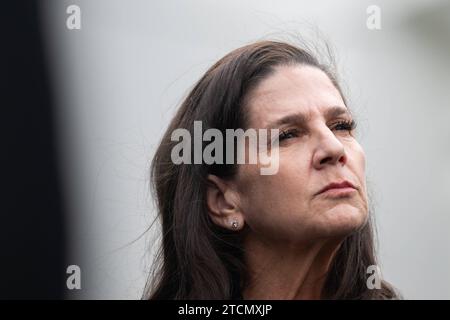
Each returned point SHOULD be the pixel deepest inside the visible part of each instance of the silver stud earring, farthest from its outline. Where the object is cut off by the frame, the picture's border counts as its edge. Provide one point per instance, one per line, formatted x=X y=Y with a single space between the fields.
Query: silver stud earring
x=234 y=224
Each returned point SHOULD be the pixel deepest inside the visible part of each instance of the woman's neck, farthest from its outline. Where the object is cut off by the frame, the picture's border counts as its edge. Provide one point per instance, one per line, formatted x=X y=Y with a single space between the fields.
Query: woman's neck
x=288 y=272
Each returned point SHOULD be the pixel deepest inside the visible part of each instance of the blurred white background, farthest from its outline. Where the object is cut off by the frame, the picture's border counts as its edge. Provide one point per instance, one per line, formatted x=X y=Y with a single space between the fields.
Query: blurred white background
x=120 y=78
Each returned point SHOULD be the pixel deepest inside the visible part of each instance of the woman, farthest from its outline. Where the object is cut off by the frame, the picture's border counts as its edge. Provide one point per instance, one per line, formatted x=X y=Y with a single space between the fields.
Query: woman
x=230 y=232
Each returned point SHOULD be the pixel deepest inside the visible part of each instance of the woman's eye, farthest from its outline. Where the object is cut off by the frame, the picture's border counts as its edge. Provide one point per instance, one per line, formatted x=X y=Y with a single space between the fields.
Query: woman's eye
x=345 y=125
x=340 y=126
x=288 y=134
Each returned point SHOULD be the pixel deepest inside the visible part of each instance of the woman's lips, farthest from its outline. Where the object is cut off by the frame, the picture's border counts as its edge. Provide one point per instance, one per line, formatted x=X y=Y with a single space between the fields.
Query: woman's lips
x=338 y=188
x=339 y=192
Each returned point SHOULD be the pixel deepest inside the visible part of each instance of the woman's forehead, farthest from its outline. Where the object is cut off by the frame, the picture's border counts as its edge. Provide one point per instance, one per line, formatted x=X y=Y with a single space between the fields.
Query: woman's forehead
x=293 y=90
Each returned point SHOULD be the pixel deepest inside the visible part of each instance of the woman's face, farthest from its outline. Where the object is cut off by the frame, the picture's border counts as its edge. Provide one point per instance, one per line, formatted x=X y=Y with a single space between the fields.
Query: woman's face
x=316 y=148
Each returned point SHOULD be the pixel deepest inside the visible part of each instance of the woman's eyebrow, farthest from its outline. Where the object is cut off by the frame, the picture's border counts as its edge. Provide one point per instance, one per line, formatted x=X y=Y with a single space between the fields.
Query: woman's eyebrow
x=302 y=120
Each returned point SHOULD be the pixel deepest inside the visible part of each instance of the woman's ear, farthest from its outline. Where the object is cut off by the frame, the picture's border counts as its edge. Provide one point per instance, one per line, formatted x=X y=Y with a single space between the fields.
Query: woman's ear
x=223 y=204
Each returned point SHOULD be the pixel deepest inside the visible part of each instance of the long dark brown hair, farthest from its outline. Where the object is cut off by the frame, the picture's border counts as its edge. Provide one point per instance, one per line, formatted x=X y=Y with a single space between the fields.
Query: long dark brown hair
x=197 y=258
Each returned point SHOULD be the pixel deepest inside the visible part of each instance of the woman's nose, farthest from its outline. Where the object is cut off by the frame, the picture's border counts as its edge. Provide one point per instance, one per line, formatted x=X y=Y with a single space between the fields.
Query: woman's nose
x=329 y=150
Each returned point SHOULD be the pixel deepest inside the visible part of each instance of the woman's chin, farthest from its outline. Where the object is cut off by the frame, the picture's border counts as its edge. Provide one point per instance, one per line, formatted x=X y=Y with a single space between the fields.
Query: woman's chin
x=343 y=220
